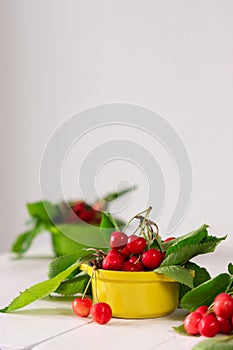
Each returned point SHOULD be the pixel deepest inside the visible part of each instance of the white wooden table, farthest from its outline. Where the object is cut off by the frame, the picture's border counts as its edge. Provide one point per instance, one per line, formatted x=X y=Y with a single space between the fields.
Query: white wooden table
x=48 y=324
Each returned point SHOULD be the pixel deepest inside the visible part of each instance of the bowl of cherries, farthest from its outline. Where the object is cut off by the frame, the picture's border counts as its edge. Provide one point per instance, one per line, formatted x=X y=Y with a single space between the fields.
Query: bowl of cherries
x=124 y=276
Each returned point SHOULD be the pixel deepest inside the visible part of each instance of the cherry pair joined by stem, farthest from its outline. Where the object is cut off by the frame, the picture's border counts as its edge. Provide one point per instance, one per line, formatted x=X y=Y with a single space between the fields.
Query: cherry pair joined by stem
x=100 y=312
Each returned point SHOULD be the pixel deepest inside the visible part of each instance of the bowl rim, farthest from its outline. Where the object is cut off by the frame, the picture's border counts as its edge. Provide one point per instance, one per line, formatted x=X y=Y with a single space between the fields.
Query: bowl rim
x=127 y=276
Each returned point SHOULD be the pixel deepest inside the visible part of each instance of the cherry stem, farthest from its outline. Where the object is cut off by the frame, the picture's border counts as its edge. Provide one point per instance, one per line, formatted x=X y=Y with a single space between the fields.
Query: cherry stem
x=228 y=290
x=143 y=221
x=150 y=237
x=143 y=233
x=84 y=293
x=95 y=286
x=145 y=218
x=136 y=217
x=135 y=230
x=136 y=261
x=152 y=223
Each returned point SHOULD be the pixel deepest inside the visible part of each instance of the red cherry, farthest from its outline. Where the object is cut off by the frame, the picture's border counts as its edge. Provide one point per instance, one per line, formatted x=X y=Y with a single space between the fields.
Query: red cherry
x=114 y=252
x=77 y=207
x=225 y=325
x=87 y=215
x=128 y=266
x=202 y=309
x=101 y=313
x=152 y=258
x=125 y=251
x=118 y=239
x=223 y=305
x=191 y=322
x=137 y=262
x=208 y=326
x=113 y=261
x=82 y=306
x=136 y=244
x=82 y=211
x=72 y=215
x=169 y=239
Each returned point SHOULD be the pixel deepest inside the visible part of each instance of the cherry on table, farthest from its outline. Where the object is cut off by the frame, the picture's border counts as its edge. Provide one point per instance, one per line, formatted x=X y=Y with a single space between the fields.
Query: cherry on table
x=82 y=306
x=225 y=325
x=202 y=309
x=101 y=313
x=191 y=322
x=208 y=326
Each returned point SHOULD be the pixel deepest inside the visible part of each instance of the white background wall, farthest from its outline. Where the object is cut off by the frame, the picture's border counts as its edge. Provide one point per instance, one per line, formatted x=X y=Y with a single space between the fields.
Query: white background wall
x=176 y=57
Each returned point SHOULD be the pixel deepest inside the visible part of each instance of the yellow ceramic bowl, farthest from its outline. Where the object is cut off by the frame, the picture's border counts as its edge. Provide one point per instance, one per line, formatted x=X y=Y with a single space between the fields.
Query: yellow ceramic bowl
x=134 y=294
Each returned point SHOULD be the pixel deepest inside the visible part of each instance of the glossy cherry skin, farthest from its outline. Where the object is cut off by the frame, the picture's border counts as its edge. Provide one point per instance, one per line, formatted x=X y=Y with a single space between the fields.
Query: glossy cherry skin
x=136 y=261
x=125 y=251
x=152 y=258
x=223 y=305
x=82 y=306
x=191 y=322
x=101 y=313
x=208 y=326
x=202 y=309
x=128 y=266
x=136 y=244
x=113 y=261
x=113 y=252
x=118 y=239
x=225 y=325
